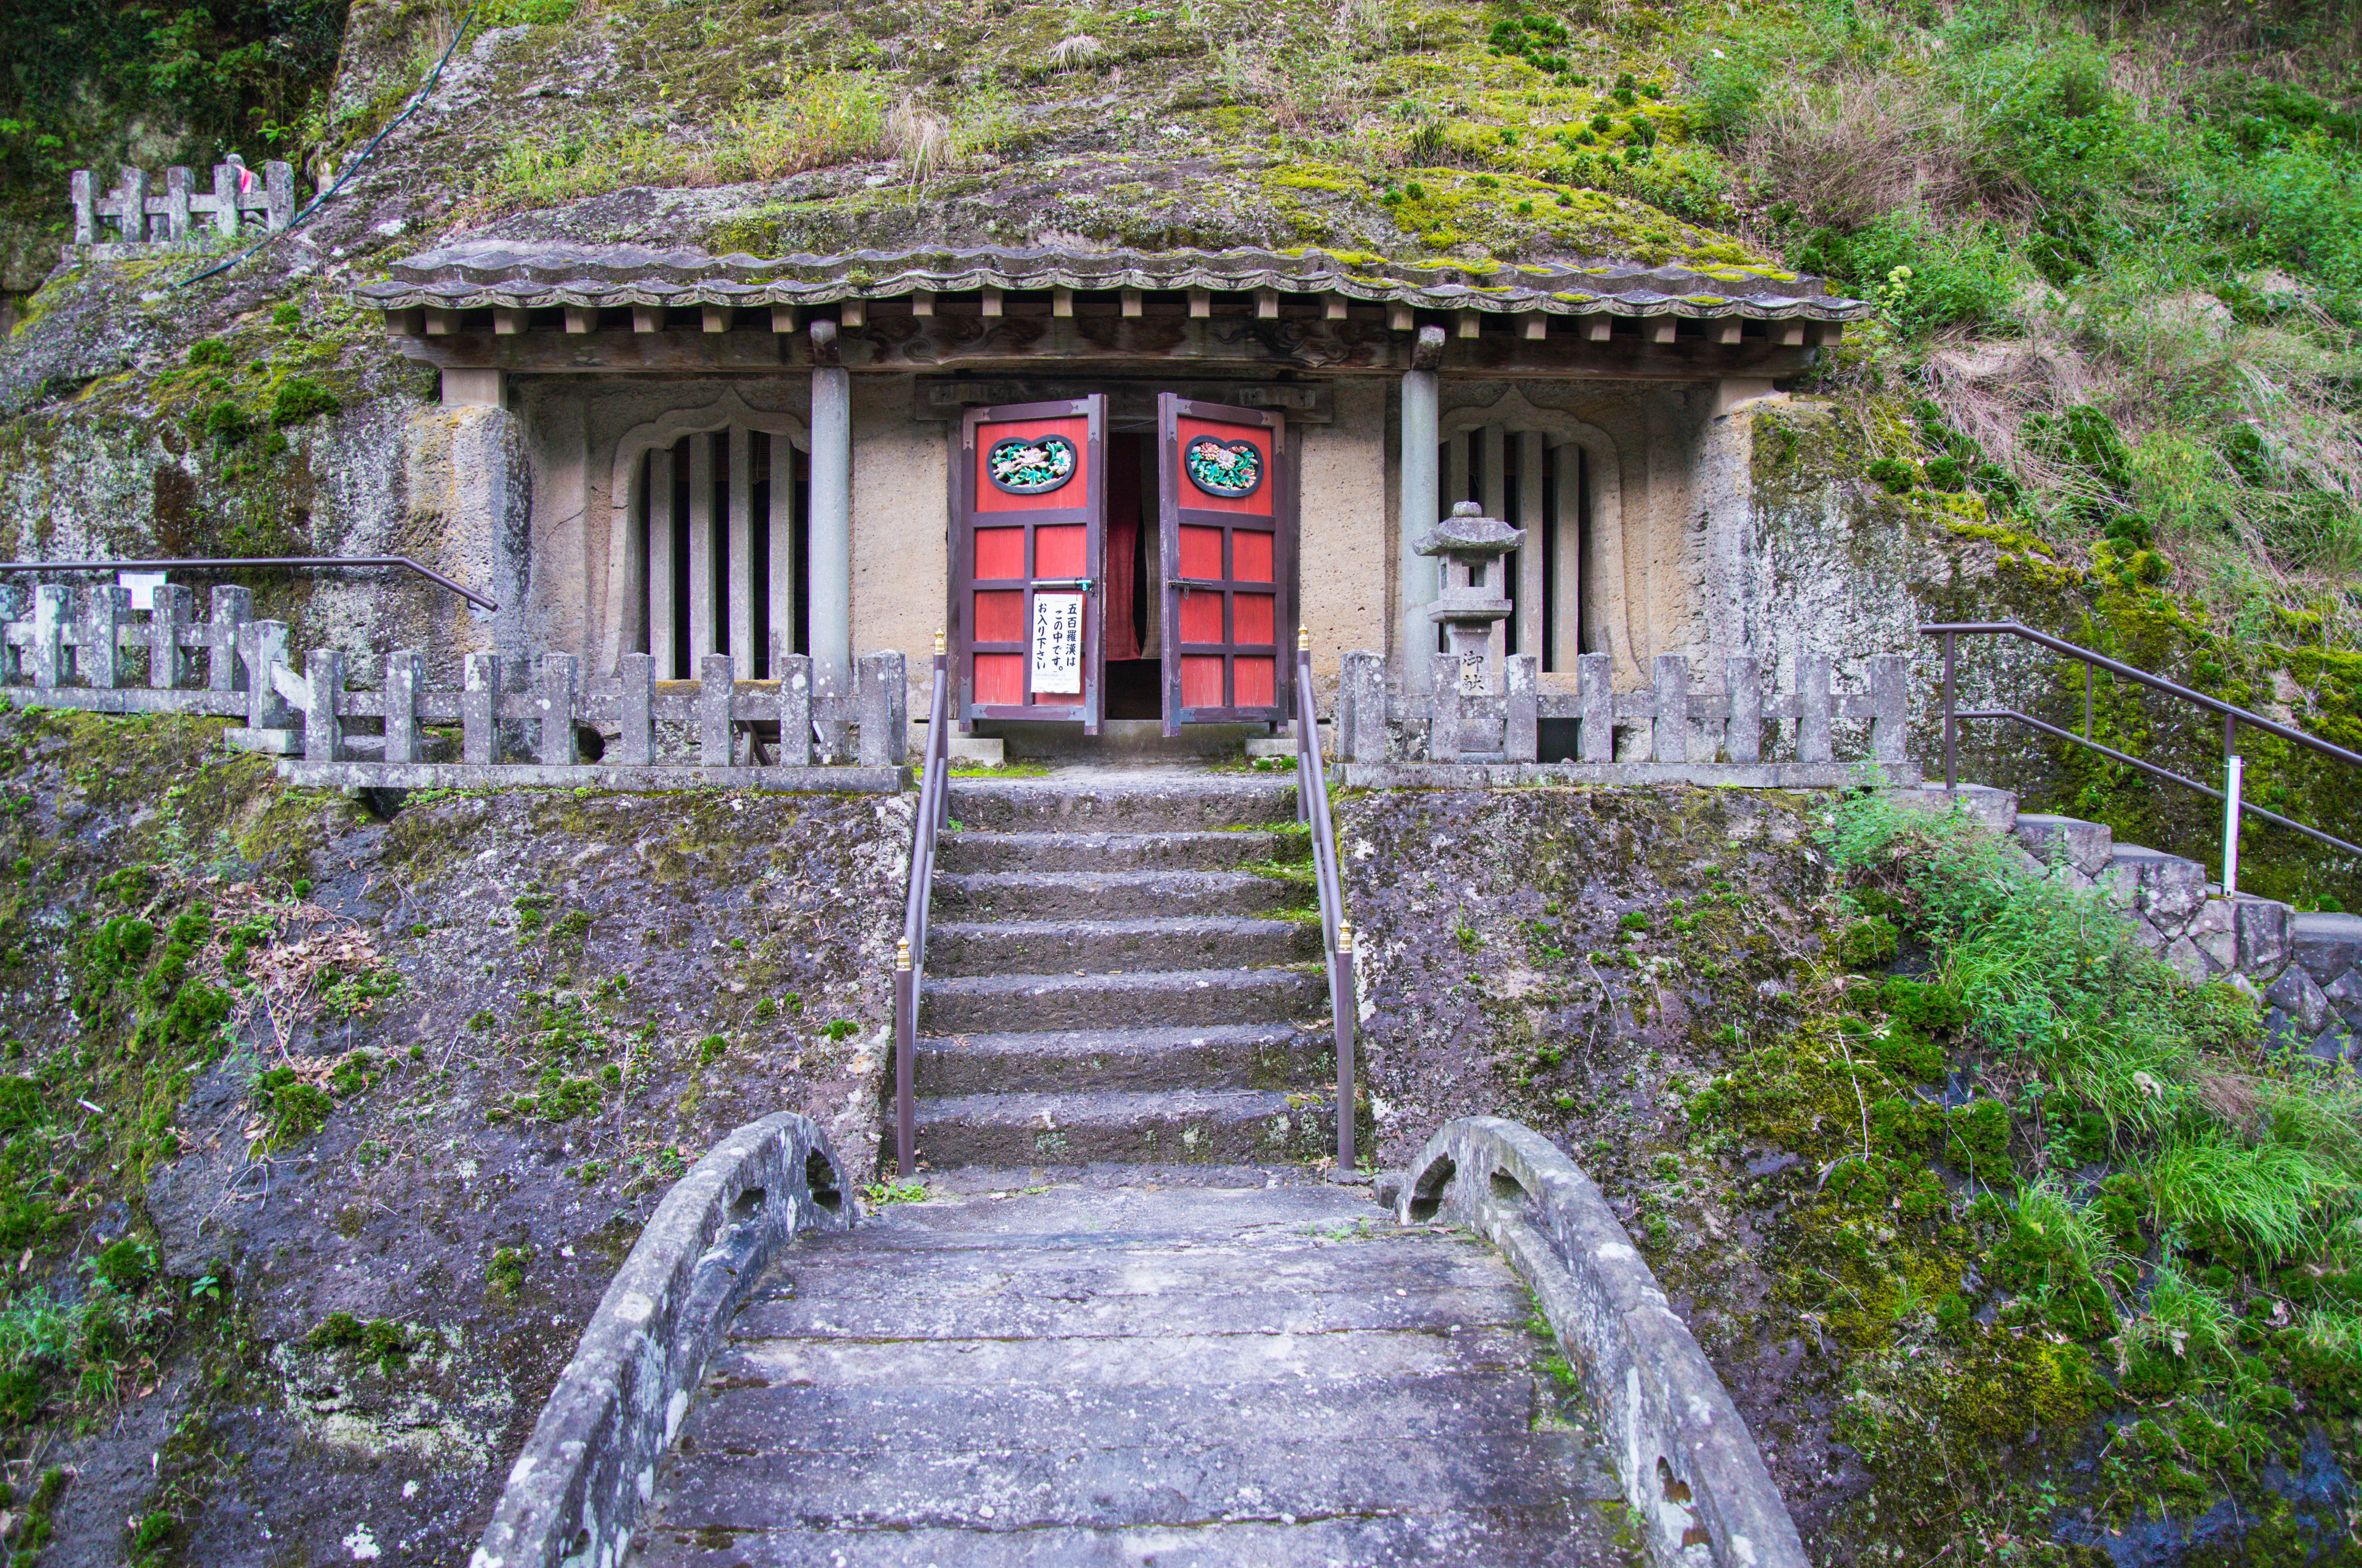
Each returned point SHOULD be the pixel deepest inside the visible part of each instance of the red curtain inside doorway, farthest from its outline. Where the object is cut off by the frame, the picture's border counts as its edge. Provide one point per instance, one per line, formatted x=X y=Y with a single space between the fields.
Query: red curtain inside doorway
x=1119 y=628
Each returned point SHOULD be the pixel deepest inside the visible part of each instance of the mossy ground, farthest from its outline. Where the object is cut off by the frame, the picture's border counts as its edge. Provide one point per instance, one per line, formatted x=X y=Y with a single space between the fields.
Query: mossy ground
x=275 y=1066
x=1965 y=1315
x=1964 y=1241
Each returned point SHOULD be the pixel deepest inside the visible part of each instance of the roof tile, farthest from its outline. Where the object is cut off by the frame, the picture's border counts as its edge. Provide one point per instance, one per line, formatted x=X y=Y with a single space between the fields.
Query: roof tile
x=477 y=274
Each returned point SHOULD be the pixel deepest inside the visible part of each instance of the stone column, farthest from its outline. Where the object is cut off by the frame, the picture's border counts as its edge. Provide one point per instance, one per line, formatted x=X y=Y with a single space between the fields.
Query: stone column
x=470 y=491
x=1722 y=493
x=831 y=557
x=1533 y=617
x=1415 y=579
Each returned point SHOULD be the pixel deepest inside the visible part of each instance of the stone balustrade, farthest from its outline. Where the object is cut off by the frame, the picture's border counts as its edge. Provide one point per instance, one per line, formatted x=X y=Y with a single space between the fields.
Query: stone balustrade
x=145 y=213
x=1673 y=730
x=545 y=725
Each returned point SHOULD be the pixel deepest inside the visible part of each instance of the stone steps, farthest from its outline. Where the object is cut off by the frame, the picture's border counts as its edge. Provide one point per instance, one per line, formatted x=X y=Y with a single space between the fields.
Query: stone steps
x=2304 y=965
x=1108 y=895
x=1108 y=980
x=1103 y=946
x=1064 y=1128
x=1496 y=1537
x=1177 y=850
x=957 y=1003
x=1127 y=1373
x=1127 y=804
x=1222 y=1055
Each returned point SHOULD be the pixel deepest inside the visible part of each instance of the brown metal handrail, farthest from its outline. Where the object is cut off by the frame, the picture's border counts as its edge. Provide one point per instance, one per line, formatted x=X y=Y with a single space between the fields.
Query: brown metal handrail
x=237 y=563
x=2234 y=809
x=910 y=953
x=1336 y=931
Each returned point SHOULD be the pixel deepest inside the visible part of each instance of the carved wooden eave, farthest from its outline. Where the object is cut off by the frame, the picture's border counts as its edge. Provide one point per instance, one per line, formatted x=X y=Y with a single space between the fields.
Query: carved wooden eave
x=610 y=310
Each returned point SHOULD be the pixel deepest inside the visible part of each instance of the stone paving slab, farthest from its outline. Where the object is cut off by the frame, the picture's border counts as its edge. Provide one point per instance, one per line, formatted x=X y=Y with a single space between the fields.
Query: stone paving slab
x=806 y=1418
x=1212 y=1311
x=1496 y=1537
x=1105 y=1488
x=1197 y=1360
x=967 y=1273
x=1207 y=1216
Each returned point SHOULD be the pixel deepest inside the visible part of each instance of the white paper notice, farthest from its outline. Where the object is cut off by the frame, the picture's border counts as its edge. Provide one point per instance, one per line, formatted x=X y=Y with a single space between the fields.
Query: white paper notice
x=1058 y=641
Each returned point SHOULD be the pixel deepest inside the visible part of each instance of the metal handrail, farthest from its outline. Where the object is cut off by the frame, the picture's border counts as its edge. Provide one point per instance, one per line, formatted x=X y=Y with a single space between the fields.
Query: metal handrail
x=238 y=563
x=1336 y=931
x=2236 y=808
x=911 y=953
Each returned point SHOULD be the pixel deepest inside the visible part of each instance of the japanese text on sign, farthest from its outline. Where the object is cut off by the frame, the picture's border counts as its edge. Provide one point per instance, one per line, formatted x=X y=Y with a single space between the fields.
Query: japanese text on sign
x=1058 y=643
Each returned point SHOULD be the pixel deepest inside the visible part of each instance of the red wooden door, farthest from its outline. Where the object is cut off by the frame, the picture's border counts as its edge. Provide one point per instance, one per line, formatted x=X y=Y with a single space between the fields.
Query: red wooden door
x=1026 y=554
x=1227 y=522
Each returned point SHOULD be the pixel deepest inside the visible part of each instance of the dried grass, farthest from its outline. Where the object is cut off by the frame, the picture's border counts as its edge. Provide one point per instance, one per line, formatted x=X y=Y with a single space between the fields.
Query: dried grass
x=921 y=139
x=306 y=941
x=1851 y=150
x=1075 y=51
x=1986 y=390
x=2235 y=1098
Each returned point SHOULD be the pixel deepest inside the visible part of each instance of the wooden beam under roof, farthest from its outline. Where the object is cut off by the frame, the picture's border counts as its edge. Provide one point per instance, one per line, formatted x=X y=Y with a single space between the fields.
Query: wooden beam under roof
x=1101 y=344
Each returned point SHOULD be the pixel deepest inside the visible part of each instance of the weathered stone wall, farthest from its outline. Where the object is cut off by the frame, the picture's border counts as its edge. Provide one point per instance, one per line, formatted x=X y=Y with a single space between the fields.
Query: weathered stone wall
x=586 y=992
x=1544 y=954
x=1840 y=566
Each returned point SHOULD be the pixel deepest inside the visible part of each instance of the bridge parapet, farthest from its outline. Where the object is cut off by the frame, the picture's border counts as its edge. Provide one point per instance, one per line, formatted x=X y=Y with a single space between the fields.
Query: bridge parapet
x=1690 y=1468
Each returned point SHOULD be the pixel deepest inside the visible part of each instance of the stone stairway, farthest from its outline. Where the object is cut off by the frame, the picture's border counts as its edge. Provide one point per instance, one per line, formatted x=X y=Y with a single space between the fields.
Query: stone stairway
x=1134 y=1373
x=2305 y=967
x=1124 y=966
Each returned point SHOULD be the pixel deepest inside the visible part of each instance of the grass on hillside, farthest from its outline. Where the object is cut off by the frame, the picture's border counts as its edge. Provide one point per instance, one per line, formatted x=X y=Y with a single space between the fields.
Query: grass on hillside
x=2062 y=1193
x=2117 y=257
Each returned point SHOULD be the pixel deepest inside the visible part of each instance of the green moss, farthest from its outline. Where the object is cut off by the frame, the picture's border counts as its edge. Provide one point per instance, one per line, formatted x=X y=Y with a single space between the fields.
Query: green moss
x=1867 y=944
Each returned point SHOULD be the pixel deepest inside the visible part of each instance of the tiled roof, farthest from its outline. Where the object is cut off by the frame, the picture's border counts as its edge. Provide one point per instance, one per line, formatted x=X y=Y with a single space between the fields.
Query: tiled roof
x=495 y=273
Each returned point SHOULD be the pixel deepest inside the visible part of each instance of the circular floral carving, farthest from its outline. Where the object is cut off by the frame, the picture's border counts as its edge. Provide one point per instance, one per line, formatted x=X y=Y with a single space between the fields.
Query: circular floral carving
x=1229 y=469
x=1029 y=465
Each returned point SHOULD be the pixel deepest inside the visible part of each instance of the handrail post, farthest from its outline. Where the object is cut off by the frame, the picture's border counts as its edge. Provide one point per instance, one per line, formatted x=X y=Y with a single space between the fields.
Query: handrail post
x=1336 y=931
x=1951 y=748
x=1343 y=1010
x=2234 y=777
x=1303 y=721
x=905 y=1047
x=939 y=744
x=2133 y=678
x=910 y=951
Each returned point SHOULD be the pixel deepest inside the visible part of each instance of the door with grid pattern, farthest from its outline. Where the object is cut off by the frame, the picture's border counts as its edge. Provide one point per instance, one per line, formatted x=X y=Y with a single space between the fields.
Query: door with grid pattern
x=1027 y=549
x=1226 y=520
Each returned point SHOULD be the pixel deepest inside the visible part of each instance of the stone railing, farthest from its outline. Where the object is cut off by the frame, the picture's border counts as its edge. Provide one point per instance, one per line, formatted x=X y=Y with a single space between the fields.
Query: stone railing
x=175 y=212
x=1691 y=1471
x=555 y=728
x=575 y=1495
x=1465 y=734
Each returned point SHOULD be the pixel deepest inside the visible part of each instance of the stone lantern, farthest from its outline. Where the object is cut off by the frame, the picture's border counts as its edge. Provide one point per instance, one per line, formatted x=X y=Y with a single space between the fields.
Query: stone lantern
x=1469 y=547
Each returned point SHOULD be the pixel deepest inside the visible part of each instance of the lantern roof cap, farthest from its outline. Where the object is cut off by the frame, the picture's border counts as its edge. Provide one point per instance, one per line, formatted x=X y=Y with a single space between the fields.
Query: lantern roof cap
x=1468 y=532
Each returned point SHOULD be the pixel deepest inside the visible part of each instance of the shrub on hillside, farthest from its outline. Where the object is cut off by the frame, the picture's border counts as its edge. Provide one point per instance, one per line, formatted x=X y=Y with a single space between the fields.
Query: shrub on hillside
x=1958 y=277
x=300 y=398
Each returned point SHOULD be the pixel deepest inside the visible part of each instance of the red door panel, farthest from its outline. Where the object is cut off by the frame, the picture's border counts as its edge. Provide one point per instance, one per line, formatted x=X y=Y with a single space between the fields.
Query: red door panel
x=1201 y=616
x=1227 y=511
x=1030 y=521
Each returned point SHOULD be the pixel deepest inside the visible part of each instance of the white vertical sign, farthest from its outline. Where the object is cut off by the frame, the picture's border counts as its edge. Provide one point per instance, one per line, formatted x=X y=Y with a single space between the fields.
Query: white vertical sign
x=1058 y=643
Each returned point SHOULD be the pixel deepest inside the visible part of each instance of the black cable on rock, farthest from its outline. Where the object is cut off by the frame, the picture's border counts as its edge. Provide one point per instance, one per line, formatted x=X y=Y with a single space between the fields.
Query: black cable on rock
x=353 y=167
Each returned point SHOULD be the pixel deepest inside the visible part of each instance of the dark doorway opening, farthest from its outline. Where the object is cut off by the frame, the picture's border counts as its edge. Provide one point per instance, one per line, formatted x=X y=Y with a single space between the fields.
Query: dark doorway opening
x=1135 y=675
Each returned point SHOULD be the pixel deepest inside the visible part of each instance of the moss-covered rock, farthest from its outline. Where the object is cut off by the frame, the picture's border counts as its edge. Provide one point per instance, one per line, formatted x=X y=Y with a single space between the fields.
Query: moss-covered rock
x=422 y=1076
